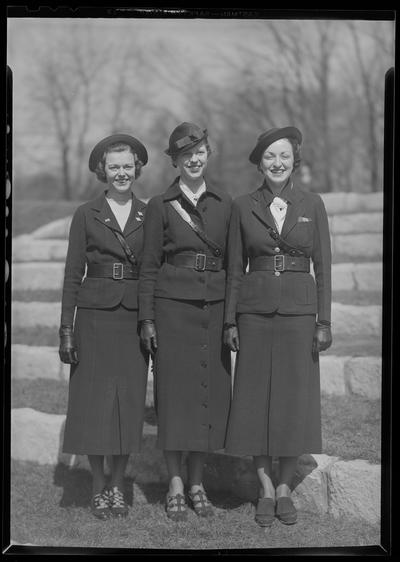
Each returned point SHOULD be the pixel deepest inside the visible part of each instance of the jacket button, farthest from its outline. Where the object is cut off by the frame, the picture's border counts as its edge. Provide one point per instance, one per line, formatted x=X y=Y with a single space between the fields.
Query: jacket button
x=277 y=273
x=277 y=249
x=203 y=363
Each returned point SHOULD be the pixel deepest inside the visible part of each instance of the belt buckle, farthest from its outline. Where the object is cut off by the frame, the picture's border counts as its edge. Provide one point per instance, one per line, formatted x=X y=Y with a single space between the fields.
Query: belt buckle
x=200 y=263
x=118 y=271
x=279 y=262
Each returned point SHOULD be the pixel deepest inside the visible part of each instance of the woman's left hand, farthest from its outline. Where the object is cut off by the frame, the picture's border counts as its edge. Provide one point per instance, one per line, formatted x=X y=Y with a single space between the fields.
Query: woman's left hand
x=322 y=338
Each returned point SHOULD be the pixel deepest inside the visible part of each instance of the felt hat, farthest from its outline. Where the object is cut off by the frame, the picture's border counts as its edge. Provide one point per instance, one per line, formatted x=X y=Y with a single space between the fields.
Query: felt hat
x=185 y=136
x=270 y=136
x=101 y=147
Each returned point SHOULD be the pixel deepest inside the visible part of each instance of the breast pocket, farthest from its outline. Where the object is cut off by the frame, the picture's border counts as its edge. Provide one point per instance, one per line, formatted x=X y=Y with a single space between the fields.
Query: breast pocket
x=302 y=234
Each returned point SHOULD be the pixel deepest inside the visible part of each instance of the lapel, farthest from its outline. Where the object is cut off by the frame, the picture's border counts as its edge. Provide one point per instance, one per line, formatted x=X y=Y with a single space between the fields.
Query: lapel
x=262 y=198
x=104 y=213
x=107 y=217
x=294 y=211
x=136 y=217
x=261 y=206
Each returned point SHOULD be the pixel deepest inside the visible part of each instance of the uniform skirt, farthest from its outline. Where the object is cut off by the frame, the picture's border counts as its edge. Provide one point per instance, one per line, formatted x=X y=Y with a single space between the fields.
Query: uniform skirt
x=191 y=375
x=107 y=388
x=276 y=408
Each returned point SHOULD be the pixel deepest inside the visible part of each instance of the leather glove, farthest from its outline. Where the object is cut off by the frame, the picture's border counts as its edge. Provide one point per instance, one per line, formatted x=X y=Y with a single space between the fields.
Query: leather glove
x=148 y=336
x=322 y=338
x=231 y=337
x=67 y=350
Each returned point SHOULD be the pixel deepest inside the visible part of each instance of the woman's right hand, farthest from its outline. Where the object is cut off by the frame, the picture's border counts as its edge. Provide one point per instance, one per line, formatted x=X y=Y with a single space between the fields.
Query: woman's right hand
x=67 y=350
x=231 y=337
x=148 y=336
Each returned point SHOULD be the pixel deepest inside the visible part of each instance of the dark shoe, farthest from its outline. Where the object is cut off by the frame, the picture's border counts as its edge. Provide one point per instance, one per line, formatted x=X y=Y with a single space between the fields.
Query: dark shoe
x=201 y=504
x=100 y=505
x=265 y=512
x=118 y=505
x=285 y=510
x=176 y=501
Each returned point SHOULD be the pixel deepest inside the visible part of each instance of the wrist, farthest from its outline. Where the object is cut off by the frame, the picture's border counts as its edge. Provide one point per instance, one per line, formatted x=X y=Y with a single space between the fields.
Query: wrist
x=228 y=325
x=324 y=323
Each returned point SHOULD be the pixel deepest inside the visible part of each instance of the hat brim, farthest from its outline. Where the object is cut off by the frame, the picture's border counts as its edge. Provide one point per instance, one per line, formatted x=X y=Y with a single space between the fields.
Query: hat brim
x=268 y=139
x=101 y=147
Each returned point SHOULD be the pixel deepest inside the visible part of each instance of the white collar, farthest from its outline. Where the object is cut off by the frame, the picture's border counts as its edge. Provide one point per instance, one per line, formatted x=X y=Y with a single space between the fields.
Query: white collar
x=193 y=197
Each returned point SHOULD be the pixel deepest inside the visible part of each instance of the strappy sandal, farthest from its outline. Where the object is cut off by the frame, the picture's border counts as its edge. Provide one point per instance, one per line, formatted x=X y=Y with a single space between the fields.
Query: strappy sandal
x=201 y=504
x=100 y=505
x=118 y=505
x=265 y=512
x=175 y=506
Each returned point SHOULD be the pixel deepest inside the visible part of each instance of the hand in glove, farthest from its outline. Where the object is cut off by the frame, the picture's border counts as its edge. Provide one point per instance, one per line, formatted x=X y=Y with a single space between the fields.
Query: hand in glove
x=322 y=338
x=231 y=337
x=148 y=336
x=67 y=350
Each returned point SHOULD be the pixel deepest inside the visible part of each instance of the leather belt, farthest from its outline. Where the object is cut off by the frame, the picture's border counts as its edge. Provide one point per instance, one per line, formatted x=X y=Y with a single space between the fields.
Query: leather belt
x=280 y=262
x=198 y=262
x=112 y=270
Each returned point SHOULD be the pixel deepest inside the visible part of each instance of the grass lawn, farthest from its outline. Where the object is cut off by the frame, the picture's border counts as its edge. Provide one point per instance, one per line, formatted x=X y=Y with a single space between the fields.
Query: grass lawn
x=49 y=507
x=350 y=424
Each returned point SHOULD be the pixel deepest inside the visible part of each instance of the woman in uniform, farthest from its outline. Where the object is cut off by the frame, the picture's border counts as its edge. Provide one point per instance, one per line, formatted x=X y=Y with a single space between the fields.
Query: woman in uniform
x=278 y=320
x=99 y=325
x=181 y=302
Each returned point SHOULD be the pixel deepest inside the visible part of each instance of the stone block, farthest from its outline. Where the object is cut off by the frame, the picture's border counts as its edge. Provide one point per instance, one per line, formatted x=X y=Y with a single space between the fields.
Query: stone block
x=34 y=362
x=55 y=229
x=352 y=276
x=356 y=321
x=310 y=483
x=27 y=249
x=37 y=276
x=36 y=314
x=364 y=376
x=368 y=276
x=351 y=246
x=36 y=436
x=353 y=223
x=332 y=374
x=341 y=202
x=354 y=490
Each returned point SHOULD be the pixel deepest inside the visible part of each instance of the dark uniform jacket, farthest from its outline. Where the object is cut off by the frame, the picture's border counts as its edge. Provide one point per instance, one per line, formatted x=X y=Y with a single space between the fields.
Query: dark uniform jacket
x=305 y=227
x=166 y=233
x=92 y=240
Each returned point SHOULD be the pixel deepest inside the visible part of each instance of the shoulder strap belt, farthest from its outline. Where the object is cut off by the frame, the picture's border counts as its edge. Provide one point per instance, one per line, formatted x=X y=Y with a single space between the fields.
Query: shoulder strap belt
x=128 y=251
x=217 y=251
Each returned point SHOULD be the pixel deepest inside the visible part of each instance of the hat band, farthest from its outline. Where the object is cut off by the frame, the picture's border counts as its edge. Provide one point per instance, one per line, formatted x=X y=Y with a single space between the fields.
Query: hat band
x=186 y=140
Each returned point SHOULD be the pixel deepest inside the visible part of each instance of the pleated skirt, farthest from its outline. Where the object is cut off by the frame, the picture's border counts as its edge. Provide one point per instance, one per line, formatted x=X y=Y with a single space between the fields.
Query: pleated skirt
x=191 y=375
x=276 y=408
x=107 y=388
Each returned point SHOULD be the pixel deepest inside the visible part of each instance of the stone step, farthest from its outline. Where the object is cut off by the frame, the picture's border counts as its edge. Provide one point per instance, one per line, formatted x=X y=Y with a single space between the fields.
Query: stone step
x=340 y=375
x=325 y=484
x=349 y=320
x=356 y=223
x=345 y=203
x=49 y=275
x=344 y=223
x=345 y=247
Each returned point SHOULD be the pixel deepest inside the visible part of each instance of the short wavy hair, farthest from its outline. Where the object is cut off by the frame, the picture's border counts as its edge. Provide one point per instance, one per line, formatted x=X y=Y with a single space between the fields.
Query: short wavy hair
x=116 y=147
x=296 y=153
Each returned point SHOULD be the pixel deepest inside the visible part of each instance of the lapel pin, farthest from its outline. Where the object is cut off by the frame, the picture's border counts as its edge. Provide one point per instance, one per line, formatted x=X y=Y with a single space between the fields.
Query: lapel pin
x=107 y=220
x=140 y=213
x=138 y=218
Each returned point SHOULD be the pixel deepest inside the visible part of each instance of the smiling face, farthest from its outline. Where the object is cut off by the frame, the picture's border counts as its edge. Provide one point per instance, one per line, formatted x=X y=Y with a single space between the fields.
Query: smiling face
x=192 y=163
x=119 y=168
x=277 y=163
